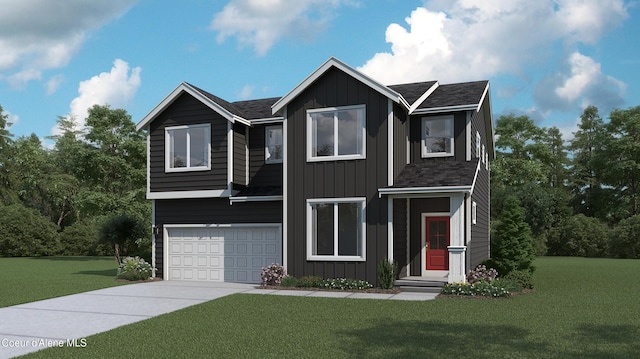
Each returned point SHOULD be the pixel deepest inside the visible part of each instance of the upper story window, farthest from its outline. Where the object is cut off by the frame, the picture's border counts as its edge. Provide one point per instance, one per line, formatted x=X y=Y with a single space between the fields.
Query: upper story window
x=336 y=133
x=437 y=136
x=273 y=144
x=188 y=148
x=477 y=144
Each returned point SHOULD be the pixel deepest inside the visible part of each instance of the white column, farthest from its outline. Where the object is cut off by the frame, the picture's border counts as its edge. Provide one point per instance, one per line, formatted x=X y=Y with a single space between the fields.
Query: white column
x=457 y=248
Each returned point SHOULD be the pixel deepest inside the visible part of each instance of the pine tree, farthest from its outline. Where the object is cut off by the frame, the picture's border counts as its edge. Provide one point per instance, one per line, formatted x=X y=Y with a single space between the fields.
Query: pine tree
x=512 y=244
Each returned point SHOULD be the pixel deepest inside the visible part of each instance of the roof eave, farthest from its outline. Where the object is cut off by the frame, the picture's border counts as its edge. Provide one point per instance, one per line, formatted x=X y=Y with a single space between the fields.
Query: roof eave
x=425 y=190
x=424 y=111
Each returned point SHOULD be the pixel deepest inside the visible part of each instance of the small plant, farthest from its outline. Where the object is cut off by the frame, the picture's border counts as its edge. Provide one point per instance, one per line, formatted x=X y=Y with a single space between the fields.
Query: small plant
x=482 y=274
x=310 y=282
x=508 y=284
x=273 y=274
x=522 y=277
x=289 y=281
x=134 y=268
x=387 y=271
x=346 y=283
x=479 y=289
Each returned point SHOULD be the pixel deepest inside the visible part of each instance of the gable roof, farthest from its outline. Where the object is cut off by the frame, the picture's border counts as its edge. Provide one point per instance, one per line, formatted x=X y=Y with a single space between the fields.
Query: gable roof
x=333 y=62
x=457 y=96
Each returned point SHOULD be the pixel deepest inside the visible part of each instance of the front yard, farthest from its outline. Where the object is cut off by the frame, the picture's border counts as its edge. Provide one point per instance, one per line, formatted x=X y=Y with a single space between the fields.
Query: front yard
x=582 y=308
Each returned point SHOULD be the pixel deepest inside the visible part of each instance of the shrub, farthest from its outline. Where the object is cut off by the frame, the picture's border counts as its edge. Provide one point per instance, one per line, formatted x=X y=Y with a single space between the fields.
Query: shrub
x=24 y=232
x=123 y=230
x=512 y=244
x=134 y=268
x=482 y=289
x=580 y=236
x=625 y=239
x=509 y=285
x=346 y=283
x=81 y=239
x=310 y=282
x=523 y=278
x=273 y=274
x=289 y=281
x=387 y=271
x=481 y=273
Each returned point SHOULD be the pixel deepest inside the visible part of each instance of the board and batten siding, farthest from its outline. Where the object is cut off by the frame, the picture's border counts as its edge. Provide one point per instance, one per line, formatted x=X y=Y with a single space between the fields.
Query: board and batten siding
x=210 y=211
x=260 y=173
x=239 y=154
x=337 y=179
x=400 y=236
x=479 y=245
x=460 y=141
x=186 y=110
x=400 y=137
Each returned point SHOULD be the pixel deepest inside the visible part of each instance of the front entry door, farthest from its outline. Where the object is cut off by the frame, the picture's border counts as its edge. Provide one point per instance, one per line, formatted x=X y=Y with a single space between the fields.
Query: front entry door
x=436 y=241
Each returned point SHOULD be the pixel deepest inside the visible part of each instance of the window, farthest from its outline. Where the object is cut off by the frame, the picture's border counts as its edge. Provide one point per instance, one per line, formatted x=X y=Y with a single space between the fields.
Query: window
x=336 y=133
x=188 y=148
x=474 y=212
x=483 y=154
x=437 y=136
x=486 y=160
x=273 y=144
x=477 y=144
x=336 y=229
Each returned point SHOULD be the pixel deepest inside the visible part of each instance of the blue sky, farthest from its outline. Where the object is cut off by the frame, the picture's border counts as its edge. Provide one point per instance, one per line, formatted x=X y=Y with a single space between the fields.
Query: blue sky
x=546 y=59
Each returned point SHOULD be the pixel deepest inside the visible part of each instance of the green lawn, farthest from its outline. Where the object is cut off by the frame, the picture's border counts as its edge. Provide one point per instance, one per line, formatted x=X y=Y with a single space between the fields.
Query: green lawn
x=582 y=308
x=30 y=279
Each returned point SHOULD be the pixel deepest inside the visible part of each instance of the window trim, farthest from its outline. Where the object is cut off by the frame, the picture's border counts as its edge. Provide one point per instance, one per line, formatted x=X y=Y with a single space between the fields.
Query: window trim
x=266 y=144
x=423 y=148
x=477 y=144
x=474 y=212
x=167 y=148
x=310 y=229
x=363 y=149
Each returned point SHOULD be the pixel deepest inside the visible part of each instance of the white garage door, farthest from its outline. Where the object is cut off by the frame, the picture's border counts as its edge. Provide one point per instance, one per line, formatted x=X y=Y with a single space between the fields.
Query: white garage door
x=221 y=253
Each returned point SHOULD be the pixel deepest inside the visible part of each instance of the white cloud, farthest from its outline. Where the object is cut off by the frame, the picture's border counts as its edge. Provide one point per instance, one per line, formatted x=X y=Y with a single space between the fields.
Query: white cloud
x=53 y=83
x=464 y=40
x=116 y=88
x=262 y=23
x=37 y=35
x=246 y=92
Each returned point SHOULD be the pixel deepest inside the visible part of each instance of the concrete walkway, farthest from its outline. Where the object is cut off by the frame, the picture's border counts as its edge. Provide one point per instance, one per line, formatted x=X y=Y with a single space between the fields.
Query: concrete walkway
x=29 y=327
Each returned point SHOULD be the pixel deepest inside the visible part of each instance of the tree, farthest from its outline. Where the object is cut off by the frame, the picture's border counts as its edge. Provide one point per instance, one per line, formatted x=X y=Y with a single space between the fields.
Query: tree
x=6 y=141
x=625 y=239
x=512 y=244
x=122 y=231
x=26 y=233
x=580 y=236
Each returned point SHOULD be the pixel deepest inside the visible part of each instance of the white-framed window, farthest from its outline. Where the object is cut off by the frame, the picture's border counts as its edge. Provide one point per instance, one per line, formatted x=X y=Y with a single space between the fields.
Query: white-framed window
x=474 y=212
x=477 y=144
x=486 y=161
x=483 y=154
x=437 y=136
x=274 y=148
x=336 y=229
x=188 y=148
x=336 y=133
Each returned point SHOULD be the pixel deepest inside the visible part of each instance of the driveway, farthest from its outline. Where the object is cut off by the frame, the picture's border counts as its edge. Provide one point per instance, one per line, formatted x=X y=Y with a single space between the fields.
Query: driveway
x=29 y=327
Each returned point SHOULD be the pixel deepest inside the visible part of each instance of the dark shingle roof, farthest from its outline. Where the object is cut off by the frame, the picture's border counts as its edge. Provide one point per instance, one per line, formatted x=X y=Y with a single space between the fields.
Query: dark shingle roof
x=412 y=92
x=466 y=93
x=255 y=109
x=437 y=174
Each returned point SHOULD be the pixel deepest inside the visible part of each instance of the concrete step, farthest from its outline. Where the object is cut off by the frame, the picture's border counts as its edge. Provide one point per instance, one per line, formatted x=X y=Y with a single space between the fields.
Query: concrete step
x=420 y=289
x=419 y=285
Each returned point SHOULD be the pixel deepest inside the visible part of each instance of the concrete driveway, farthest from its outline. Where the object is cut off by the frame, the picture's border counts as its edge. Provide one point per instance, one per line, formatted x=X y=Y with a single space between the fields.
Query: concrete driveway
x=70 y=319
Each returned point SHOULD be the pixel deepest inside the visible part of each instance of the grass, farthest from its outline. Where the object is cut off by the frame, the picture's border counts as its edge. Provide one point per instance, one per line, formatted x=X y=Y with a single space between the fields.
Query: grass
x=30 y=279
x=582 y=308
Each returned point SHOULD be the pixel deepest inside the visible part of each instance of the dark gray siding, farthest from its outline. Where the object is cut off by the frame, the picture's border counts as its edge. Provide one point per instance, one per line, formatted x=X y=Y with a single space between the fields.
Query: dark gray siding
x=459 y=120
x=400 y=235
x=400 y=131
x=478 y=249
x=186 y=110
x=332 y=179
x=261 y=173
x=210 y=211
x=417 y=206
x=239 y=154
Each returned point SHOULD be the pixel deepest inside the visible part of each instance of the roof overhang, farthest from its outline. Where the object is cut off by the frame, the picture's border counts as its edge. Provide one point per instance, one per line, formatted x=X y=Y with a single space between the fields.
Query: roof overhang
x=235 y=199
x=412 y=191
x=333 y=62
x=432 y=110
x=267 y=121
x=186 y=88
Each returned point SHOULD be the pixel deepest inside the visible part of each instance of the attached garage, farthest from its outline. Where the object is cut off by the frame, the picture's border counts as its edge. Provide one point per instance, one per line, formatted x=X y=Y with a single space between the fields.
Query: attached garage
x=221 y=252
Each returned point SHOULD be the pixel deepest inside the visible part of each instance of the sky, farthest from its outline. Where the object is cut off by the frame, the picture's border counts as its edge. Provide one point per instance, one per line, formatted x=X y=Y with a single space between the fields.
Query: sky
x=547 y=59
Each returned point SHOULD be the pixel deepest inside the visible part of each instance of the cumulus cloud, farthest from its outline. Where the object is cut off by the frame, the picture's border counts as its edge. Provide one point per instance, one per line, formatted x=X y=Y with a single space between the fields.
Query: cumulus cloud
x=116 y=88
x=463 y=40
x=37 y=35
x=261 y=23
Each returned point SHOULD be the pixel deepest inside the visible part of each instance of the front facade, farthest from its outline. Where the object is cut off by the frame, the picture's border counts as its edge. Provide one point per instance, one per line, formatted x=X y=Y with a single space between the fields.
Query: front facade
x=327 y=180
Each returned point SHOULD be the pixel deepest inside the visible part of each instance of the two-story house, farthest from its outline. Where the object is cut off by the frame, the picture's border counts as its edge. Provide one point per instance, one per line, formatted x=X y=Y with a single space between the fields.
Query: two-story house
x=327 y=180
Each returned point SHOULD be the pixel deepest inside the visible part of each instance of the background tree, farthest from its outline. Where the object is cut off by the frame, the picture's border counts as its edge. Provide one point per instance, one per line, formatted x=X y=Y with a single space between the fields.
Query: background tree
x=625 y=239
x=6 y=149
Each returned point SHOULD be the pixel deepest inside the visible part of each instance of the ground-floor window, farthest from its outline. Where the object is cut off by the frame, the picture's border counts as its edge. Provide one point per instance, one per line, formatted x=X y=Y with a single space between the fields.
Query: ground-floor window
x=336 y=229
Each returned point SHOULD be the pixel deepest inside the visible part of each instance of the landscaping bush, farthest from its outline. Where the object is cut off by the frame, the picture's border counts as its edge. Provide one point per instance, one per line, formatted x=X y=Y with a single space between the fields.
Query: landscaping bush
x=509 y=285
x=134 y=268
x=483 y=289
x=289 y=281
x=273 y=274
x=387 y=273
x=310 y=282
x=81 y=239
x=580 y=236
x=24 y=232
x=625 y=239
x=512 y=244
x=523 y=278
x=345 y=283
x=481 y=273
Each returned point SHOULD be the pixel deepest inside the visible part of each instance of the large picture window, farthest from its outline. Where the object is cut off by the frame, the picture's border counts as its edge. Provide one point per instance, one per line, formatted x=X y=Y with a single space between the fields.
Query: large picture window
x=437 y=136
x=336 y=133
x=188 y=148
x=273 y=144
x=336 y=229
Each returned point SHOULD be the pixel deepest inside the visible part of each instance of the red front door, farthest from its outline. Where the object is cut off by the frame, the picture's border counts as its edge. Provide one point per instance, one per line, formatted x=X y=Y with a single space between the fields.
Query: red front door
x=437 y=240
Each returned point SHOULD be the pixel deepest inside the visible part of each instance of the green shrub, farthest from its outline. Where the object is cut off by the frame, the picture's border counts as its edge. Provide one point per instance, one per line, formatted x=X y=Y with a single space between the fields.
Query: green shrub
x=512 y=244
x=310 y=282
x=480 y=289
x=134 y=268
x=387 y=273
x=523 y=278
x=511 y=286
x=625 y=239
x=289 y=281
x=124 y=230
x=81 y=239
x=346 y=283
x=580 y=236
x=24 y=232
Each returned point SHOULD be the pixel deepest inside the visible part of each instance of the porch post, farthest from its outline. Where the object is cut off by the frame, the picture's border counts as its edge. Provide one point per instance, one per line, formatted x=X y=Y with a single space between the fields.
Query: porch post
x=457 y=247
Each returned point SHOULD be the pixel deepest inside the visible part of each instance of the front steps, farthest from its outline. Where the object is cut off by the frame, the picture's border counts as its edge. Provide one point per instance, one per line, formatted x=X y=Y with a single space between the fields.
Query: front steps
x=420 y=284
